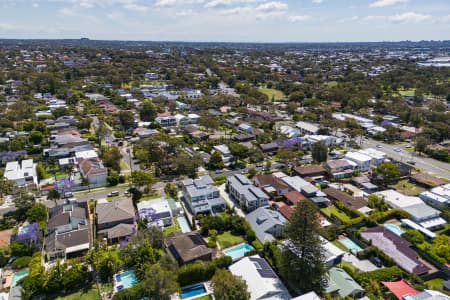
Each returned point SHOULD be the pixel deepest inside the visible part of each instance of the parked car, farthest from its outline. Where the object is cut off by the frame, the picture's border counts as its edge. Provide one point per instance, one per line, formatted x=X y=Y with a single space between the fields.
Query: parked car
x=113 y=194
x=397 y=149
x=379 y=146
x=68 y=195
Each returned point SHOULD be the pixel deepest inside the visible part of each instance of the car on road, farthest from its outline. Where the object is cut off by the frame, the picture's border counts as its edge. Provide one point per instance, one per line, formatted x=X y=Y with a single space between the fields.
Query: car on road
x=408 y=146
x=68 y=195
x=411 y=162
x=245 y=171
x=379 y=146
x=113 y=194
x=397 y=149
x=219 y=171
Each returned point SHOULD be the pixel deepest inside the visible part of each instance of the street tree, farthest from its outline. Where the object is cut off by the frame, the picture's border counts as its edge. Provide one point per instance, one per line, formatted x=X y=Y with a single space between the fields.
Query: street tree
x=141 y=178
x=301 y=258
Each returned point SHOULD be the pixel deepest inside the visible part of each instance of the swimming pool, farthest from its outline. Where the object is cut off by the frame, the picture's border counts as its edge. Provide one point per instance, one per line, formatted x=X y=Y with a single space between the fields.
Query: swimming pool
x=193 y=291
x=394 y=228
x=125 y=280
x=238 y=251
x=184 y=225
x=17 y=276
x=350 y=245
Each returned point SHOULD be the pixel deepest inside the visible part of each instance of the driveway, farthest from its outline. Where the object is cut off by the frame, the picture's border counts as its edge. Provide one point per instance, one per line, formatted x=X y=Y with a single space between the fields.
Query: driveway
x=230 y=202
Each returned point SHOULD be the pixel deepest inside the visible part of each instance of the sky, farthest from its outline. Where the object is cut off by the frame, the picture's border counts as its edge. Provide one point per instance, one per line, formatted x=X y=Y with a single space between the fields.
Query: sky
x=228 y=20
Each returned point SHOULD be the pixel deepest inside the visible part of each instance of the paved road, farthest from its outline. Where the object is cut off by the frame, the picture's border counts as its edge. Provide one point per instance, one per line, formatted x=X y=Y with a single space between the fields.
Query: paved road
x=102 y=194
x=428 y=164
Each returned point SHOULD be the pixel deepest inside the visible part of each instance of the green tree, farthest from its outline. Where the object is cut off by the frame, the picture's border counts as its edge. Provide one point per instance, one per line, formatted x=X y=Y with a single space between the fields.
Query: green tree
x=111 y=157
x=216 y=161
x=35 y=137
x=106 y=263
x=301 y=259
x=228 y=287
x=126 y=119
x=148 y=111
x=238 y=150
x=386 y=173
x=171 y=190
x=37 y=213
x=319 y=152
x=41 y=172
x=377 y=203
x=421 y=144
x=142 y=178
x=413 y=236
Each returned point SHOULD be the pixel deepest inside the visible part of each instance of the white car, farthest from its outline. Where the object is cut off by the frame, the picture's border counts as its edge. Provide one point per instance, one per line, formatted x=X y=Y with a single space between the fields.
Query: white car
x=396 y=149
x=379 y=146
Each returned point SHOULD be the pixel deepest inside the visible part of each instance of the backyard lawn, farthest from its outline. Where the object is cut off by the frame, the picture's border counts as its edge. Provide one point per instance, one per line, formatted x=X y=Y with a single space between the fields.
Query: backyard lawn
x=85 y=294
x=226 y=239
x=175 y=227
x=435 y=284
x=273 y=93
x=407 y=188
x=207 y=297
x=338 y=213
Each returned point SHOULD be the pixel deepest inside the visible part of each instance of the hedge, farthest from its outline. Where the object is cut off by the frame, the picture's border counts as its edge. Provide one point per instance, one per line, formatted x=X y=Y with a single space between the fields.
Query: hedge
x=21 y=262
x=384 y=274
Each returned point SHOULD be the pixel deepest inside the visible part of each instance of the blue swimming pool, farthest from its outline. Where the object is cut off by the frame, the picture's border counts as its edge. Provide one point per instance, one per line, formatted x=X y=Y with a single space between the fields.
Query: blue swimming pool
x=350 y=245
x=126 y=280
x=238 y=251
x=193 y=291
x=394 y=228
x=184 y=225
x=17 y=276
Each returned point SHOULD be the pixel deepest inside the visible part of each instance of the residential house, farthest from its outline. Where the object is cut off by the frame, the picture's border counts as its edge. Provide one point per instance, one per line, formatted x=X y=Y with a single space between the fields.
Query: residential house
x=245 y=128
x=166 y=120
x=269 y=148
x=158 y=212
x=346 y=199
x=300 y=185
x=270 y=185
x=293 y=197
x=68 y=232
x=362 y=161
x=290 y=132
x=262 y=281
x=312 y=171
x=307 y=128
x=266 y=223
x=438 y=196
x=93 y=170
x=188 y=247
x=396 y=248
x=245 y=193
x=201 y=196
x=226 y=154
x=340 y=168
x=401 y=289
x=378 y=157
x=341 y=284
x=422 y=214
x=116 y=219
x=21 y=172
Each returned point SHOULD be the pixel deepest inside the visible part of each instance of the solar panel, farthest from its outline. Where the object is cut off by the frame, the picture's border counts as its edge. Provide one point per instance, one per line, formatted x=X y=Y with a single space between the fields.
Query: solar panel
x=263 y=268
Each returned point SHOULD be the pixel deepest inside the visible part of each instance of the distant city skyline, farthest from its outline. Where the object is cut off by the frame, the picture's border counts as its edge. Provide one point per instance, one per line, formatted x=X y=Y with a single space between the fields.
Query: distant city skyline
x=228 y=20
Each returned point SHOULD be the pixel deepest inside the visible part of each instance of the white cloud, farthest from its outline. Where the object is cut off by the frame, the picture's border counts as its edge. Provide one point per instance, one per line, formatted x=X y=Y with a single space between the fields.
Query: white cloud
x=317 y=1
x=165 y=3
x=68 y=11
x=272 y=6
x=408 y=17
x=136 y=7
x=35 y=5
x=349 y=19
x=294 y=19
x=219 y=3
x=384 y=3
x=185 y=13
x=7 y=26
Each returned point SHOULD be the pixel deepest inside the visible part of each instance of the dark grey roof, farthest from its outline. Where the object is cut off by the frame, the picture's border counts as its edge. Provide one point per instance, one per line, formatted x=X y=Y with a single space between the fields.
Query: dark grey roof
x=262 y=220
